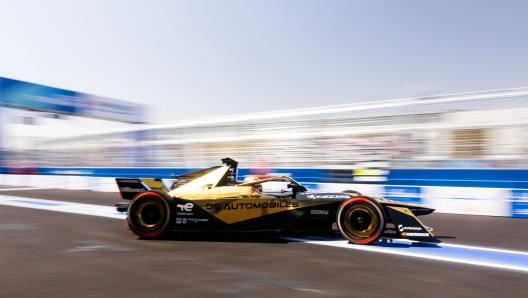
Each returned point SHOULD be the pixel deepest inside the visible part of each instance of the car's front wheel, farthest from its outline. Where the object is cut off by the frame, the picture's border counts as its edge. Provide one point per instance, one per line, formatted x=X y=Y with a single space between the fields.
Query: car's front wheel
x=361 y=220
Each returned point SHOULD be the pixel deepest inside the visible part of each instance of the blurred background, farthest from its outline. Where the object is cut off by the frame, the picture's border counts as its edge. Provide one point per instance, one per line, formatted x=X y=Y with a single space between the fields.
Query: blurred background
x=45 y=127
x=346 y=92
x=423 y=102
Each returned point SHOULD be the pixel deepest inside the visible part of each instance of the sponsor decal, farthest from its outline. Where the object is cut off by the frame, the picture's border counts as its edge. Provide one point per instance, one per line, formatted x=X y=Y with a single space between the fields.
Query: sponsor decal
x=413 y=210
x=197 y=220
x=128 y=189
x=128 y=181
x=157 y=188
x=401 y=228
x=328 y=197
x=187 y=207
x=407 y=234
x=252 y=205
x=320 y=212
x=178 y=220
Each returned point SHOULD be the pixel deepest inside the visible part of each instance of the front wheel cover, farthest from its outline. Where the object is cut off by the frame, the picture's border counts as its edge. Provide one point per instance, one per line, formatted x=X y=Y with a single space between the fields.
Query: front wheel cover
x=361 y=220
x=149 y=214
x=352 y=192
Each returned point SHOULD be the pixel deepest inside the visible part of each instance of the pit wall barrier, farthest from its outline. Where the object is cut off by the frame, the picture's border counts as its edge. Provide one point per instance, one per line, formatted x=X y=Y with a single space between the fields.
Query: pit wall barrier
x=508 y=202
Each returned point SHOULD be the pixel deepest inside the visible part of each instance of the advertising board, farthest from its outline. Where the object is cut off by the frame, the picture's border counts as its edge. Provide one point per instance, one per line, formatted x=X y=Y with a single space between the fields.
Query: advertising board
x=24 y=95
x=519 y=203
x=467 y=200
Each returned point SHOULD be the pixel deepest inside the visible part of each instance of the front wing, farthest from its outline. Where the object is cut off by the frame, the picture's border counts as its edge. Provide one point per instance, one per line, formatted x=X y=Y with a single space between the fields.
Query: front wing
x=408 y=226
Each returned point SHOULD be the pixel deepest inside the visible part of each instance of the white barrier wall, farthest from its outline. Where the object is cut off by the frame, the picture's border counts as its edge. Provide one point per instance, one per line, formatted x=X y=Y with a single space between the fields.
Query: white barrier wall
x=60 y=182
x=457 y=200
x=468 y=200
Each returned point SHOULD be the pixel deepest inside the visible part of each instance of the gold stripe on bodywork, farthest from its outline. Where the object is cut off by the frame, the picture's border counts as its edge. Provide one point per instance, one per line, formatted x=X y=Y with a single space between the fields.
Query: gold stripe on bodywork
x=236 y=210
x=217 y=192
x=384 y=201
x=408 y=212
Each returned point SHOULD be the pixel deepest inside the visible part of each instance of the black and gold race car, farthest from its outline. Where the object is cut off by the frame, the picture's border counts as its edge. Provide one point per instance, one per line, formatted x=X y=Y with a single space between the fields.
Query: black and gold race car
x=211 y=200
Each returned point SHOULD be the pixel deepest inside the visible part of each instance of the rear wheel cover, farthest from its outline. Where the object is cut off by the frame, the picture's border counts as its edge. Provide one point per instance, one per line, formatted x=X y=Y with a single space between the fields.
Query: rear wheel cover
x=360 y=220
x=148 y=214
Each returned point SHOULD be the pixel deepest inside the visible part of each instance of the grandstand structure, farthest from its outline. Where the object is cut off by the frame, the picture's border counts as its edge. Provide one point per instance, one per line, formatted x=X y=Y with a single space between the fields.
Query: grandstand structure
x=486 y=129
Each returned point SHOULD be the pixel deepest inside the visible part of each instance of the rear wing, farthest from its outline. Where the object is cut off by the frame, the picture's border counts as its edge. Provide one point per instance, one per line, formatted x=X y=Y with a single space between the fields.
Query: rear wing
x=130 y=187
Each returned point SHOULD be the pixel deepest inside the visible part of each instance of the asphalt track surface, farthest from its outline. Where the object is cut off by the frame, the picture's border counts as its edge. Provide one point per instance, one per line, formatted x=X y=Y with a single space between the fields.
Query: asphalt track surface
x=55 y=254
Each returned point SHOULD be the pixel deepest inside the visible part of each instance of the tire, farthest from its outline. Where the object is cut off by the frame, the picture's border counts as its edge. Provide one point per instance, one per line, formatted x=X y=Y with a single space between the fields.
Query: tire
x=352 y=192
x=361 y=220
x=149 y=214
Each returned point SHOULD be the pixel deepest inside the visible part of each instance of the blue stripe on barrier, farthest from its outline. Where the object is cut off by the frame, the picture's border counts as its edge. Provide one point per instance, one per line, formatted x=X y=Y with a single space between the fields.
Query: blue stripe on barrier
x=492 y=178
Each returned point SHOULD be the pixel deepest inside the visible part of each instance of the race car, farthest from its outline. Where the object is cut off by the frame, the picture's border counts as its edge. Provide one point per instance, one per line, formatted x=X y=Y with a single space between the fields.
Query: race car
x=212 y=200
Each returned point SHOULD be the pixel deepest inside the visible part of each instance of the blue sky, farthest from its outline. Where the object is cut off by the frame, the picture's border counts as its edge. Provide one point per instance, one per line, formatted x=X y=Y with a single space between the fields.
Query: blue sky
x=190 y=59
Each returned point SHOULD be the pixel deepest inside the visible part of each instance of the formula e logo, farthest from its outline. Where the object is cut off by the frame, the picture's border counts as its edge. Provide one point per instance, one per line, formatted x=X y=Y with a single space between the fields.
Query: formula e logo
x=187 y=207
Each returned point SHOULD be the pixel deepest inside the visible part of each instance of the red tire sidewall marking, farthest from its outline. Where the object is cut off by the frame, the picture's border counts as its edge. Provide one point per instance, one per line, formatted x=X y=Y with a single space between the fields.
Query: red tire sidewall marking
x=360 y=200
x=162 y=229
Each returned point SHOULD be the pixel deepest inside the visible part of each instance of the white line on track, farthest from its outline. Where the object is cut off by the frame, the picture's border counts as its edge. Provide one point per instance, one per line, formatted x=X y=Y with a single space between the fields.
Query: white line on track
x=463 y=254
x=486 y=249
x=60 y=206
x=25 y=188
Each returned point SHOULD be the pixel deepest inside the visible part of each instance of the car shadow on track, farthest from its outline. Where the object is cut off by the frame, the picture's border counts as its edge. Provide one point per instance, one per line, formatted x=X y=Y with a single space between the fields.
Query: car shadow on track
x=281 y=238
x=285 y=238
x=205 y=237
x=446 y=237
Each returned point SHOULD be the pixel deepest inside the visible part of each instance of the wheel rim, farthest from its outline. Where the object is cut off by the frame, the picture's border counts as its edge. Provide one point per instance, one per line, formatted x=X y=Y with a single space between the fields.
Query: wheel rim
x=150 y=214
x=361 y=221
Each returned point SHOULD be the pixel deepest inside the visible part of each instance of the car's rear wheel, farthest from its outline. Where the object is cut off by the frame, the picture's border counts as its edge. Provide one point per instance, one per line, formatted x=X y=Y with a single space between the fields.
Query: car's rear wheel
x=149 y=214
x=361 y=220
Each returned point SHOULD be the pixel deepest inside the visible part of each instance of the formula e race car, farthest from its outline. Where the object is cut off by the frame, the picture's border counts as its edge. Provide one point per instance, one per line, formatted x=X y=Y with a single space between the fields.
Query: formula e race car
x=211 y=200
